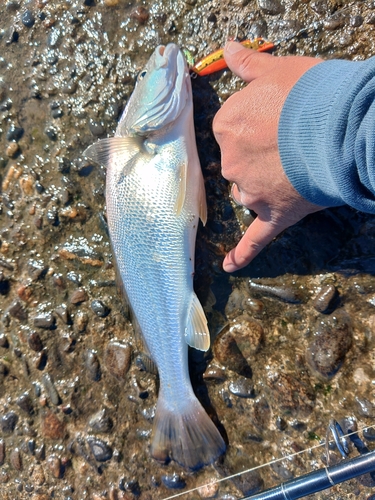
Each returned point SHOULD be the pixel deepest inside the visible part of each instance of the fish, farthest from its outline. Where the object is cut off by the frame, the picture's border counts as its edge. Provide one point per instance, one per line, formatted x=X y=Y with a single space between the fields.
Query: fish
x=155 y=197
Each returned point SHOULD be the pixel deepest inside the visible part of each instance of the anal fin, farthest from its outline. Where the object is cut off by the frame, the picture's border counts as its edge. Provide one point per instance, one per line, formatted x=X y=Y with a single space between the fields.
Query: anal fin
x=196 y=333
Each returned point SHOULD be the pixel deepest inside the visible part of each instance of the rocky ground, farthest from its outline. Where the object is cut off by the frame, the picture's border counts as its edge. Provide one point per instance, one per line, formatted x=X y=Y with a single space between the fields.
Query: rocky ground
x=293 y=334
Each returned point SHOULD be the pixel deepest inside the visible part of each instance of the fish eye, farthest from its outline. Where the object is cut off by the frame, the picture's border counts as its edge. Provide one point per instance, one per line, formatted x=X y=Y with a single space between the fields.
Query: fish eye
x=141 y=75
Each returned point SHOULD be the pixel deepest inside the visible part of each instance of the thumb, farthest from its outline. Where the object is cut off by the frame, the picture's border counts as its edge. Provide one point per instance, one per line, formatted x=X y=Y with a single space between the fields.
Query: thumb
x=246 y=63
x=257 y=236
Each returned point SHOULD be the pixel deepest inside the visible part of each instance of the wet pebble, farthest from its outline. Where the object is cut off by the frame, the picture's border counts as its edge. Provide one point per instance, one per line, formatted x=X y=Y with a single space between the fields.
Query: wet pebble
x=369 y=433
x=356 y=21
x=2 y=452
x=117 y=359
x=51 y=133
x=28 y=18
x=63 y=313
x=285 y=293
x=36 y=269
x=34 y=341
x=81 y=321
x=16 y=459
x=332 y=340
x=140 y=14
x=101 y=422
x=14 y=133
x=4 y=341
x=45 y=320
x=365 y=407
x=242 y=388
x=324 y=302
x=99 y=308
x=214 y=373
x=236 y=345
x=92 y=365
x=78 y=296
x=50 y=388
x=12 y=150
x=25 y=403
x=37 y=475
x=54 y=465
x=100 y=449
x=173 y=481
x=272 y=7
x=96 y=128
x=51 y=428
x=8 y=422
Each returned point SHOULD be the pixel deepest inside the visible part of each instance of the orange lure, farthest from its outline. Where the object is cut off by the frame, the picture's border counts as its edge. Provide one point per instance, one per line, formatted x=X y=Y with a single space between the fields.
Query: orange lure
x=216 y=62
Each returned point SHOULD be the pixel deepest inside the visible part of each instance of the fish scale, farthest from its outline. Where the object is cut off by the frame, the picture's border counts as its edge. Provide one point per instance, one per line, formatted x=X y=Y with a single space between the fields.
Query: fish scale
x=155 y=196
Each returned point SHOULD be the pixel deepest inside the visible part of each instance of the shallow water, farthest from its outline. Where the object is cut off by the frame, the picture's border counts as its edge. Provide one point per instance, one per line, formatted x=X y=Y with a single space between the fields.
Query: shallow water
x=76 y=410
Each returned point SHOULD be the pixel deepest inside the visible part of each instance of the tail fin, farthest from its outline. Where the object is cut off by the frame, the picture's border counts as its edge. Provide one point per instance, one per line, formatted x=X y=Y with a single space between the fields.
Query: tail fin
x=190 y=438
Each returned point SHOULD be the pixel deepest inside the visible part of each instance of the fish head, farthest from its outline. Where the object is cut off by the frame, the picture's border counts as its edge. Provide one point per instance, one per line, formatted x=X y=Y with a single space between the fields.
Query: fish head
x=161 y=93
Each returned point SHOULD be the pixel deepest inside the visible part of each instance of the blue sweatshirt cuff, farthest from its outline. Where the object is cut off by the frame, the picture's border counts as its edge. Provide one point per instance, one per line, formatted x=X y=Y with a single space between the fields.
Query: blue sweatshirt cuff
x=327 y=134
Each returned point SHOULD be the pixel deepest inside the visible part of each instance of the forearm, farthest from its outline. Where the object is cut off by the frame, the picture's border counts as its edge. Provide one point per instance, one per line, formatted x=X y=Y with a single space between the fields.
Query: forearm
x=326 y=134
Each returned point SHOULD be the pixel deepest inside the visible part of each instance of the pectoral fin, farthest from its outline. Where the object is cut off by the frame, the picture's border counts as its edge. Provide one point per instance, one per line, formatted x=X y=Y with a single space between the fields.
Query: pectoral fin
x=197 y=334
x=181 y=188
x=121 y=150
x=202 y=202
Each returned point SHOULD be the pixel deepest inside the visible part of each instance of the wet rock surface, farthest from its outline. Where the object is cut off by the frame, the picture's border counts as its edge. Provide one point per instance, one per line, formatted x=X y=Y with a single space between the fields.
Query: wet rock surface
x=76 y=402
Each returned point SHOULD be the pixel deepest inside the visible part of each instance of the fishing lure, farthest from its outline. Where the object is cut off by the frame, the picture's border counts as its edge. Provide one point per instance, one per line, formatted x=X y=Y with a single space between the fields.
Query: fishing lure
x=216 y=62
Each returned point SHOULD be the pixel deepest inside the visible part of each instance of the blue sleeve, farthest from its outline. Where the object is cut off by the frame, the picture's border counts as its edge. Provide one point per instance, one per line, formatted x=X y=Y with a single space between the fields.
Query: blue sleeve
x=327 y=134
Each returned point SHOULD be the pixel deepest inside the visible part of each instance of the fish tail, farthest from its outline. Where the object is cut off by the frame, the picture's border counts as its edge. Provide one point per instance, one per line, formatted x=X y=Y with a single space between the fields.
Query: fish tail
x=188 y=437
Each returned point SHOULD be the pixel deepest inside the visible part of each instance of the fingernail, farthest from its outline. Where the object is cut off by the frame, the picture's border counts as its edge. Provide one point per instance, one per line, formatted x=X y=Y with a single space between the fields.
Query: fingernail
x=229 y=267
x=233 y=47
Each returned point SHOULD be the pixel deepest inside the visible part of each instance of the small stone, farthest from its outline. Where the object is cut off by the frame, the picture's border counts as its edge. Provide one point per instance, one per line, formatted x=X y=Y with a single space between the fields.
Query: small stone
x=14 y=133
x=324 y=302
x=25 y=403
x=236 y=346
x=111 y=3
x=99 y=308
x=100 y=449
x=4 y=341
x=50 y=388
x=2 y=452
x=34 y=341
x=51 y=133
x=8 y=422
x=36 y=269
x=242 y=388
x=16 y=459
x=78 y=296
x=327 y=351
x=96 y=128
x=117 y=359
x=12 y=150
x=63 y=313
x=272 y=7
x=173 y=481
x=37 y=475
x=54 y=465
x=45 y=320
x=140 y=14
x=28 y=18
x=92 y=365
x=52 y=427
x=81 y=321
x=101 y=422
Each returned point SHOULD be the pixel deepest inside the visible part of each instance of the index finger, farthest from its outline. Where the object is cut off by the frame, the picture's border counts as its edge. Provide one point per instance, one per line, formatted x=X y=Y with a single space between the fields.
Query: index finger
x=257 y=236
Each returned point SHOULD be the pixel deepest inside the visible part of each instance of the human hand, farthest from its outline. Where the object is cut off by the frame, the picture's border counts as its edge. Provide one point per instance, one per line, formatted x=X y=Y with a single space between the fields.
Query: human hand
x=246 y=129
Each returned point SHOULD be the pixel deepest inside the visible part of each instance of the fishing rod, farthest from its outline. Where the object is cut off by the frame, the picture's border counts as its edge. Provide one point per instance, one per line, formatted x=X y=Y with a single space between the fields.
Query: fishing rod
x=318 y=480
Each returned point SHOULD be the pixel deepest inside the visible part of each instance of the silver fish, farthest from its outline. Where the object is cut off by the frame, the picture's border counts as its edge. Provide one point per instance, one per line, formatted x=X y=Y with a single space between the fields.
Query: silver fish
x=155 y=195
